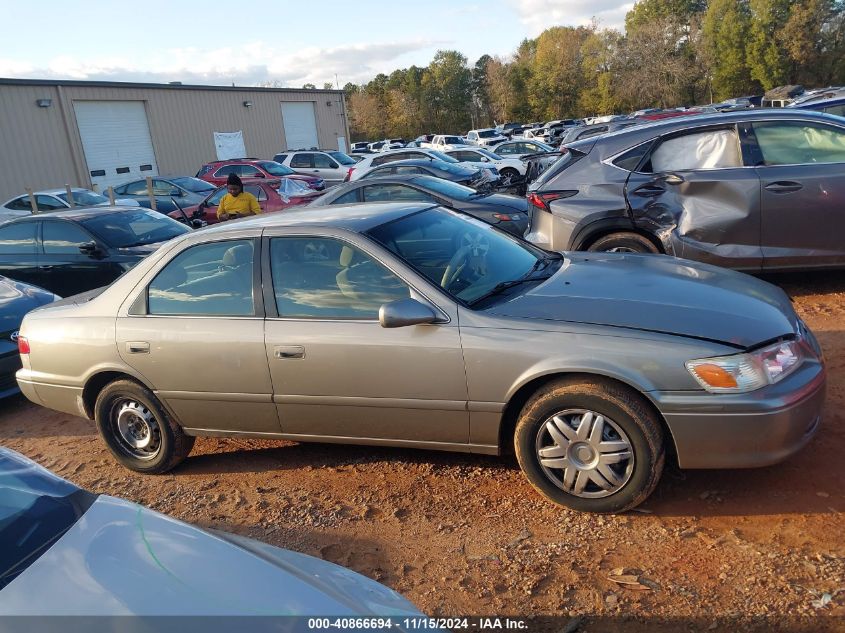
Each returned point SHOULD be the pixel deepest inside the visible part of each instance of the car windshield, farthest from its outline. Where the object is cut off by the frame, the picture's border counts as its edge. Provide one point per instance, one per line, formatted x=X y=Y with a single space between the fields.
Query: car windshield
x=488 y=133
x=193 y=184
x=466 y=257
x=85 y=198
x=342 y=158
x=36 y=509
x=446 y=187
x=276 y=169
x=441 y=156
x=134 y=228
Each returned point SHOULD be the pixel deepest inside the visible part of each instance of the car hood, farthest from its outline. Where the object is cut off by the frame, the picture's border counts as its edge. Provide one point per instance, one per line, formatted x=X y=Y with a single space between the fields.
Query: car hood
x=16 y=299
x=660 y=294
x=120 y=558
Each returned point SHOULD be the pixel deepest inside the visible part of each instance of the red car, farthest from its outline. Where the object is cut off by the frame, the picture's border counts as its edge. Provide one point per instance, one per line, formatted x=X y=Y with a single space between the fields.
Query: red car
x=267 y=192
x=217 y=172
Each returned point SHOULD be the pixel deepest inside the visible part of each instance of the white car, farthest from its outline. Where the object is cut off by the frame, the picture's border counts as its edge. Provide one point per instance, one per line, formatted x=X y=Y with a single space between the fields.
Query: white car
x=520 y=148
x=368 y=162
x=509 y=168
x=56 y=200
x=445 y=141
x=486 y=137
x=330 y=165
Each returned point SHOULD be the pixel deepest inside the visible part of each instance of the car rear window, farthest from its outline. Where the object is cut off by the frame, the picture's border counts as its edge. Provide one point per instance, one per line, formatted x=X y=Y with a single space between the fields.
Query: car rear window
x=342 y=158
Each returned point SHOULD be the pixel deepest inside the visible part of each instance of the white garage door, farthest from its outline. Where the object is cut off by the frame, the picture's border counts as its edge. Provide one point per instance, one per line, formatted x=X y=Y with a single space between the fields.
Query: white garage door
x=116 y=140
x=300 y=125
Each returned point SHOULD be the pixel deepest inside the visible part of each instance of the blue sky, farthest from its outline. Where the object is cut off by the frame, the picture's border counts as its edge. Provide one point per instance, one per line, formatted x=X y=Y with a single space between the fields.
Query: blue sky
x=286 y=41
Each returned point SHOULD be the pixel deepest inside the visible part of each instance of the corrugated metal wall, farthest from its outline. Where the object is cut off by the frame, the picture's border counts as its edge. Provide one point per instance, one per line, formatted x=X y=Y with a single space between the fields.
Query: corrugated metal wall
x=41 y=147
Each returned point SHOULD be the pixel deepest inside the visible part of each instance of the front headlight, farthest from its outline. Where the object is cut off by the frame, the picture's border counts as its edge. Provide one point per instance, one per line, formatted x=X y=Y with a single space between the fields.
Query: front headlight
x=746 y=372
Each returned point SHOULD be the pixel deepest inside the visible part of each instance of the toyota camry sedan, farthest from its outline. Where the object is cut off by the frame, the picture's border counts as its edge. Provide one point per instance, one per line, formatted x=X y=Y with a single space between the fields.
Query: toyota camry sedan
x=417 y=326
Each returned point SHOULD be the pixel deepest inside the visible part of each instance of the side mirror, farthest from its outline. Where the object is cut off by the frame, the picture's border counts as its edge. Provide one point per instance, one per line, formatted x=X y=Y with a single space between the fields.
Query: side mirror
x=258 y=175
x=405 y=312
x=89 y=248
x=197 y=223
x=176 y=193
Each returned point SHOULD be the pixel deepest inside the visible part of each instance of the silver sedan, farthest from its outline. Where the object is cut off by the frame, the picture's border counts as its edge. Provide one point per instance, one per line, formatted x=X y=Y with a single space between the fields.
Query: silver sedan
x=416 y=326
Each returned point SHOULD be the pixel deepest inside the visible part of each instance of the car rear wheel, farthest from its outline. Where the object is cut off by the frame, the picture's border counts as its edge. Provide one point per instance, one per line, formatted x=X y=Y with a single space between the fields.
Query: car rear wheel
x=590 y=445
x=624 y=242
x=137 y=429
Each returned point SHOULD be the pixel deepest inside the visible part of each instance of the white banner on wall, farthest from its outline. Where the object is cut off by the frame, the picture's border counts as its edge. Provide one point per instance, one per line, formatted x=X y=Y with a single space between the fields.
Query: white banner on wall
x=229 y=145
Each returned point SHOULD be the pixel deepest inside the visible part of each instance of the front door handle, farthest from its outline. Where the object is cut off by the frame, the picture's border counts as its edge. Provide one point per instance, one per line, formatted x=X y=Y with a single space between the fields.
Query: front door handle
x=649 y=190
x=284 y=352
x=784 y=186
x=138 y=347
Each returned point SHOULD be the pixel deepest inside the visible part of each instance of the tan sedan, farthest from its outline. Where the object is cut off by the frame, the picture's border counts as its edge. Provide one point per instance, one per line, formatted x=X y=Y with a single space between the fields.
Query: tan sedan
x=412 y=325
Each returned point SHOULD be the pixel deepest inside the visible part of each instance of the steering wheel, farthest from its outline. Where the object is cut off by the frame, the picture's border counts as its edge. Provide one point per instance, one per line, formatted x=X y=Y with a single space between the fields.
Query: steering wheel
x=455 y=266
x=478 y=243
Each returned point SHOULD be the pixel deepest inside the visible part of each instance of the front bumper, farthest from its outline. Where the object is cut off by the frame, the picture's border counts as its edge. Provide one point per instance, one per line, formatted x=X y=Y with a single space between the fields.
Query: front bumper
x=746 y=430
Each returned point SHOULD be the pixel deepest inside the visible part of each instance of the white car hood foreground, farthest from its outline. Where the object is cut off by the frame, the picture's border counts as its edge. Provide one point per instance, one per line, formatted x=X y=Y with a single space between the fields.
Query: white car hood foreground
x=123 y=559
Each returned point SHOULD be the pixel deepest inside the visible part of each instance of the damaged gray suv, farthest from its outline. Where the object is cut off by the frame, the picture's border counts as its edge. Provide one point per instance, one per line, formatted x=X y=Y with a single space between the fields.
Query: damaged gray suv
x=416 y=326
x=755 y=190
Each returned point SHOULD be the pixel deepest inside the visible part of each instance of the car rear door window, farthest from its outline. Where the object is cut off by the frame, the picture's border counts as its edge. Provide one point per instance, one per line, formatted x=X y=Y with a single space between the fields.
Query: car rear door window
x=213 y=279
x=225 y=170
x=18 y=238
x=302 y=160
x=407 y=169
x=63 y=238
x=324 y=278
x=798 y=143
x=394 y=193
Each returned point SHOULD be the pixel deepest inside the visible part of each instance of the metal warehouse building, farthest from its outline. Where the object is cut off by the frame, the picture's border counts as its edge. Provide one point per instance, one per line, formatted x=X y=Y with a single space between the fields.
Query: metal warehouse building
x=84 y=133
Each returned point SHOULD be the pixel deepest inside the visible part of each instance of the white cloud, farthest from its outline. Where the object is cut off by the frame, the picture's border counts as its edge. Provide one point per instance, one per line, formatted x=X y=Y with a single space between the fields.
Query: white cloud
x=538 y=15
x=245 y=65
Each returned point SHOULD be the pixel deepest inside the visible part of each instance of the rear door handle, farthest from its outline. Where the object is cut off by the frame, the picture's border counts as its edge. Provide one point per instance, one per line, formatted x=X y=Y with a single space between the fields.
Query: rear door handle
x=138 y=347
x=283 y=352
x=47 y=267
x=784 y=186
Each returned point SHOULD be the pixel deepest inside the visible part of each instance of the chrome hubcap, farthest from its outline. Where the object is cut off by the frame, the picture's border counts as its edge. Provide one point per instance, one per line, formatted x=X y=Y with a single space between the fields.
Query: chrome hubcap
x=137 y=429
x=622 y=249
x=584 y=453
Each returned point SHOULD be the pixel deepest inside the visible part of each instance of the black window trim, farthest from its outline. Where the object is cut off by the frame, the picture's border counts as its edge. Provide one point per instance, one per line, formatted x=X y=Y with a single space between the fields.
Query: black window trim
x=140 y=305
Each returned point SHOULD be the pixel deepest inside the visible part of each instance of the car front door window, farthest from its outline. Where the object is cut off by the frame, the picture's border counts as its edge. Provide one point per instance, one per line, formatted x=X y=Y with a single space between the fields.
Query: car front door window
x=63 y=238
x=323 y=278
x=797 y=143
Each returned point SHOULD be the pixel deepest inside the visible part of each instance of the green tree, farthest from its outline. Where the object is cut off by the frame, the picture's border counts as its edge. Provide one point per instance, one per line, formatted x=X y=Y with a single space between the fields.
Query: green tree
x=767 y=60
x=813 y=38
x=646 y=11
x=556 y=78
x=446 y=88
x=597 y=95
x=724 y=35
x=308 y=86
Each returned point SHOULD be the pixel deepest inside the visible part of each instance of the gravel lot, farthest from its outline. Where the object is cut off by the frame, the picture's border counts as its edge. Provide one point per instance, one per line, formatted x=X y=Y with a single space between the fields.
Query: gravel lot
x=459 y=535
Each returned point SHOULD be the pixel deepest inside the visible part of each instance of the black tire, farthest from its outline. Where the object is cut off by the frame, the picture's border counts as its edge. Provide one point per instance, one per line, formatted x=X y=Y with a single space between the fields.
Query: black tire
x=509 y=174
x=625 y=242
x=626 y=410
x=167 y=437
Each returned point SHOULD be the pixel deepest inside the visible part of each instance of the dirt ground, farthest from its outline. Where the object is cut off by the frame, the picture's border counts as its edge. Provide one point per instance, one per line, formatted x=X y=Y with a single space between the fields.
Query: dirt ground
x=463 y=535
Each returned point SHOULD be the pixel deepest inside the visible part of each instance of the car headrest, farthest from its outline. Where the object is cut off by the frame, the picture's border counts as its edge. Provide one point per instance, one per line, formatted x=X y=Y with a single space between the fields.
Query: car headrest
x=347 y=253
x=237 y=255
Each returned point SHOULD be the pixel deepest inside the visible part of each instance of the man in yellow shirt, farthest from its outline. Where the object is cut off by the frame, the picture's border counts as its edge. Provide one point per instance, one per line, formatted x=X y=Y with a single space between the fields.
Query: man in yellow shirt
x=237 y=203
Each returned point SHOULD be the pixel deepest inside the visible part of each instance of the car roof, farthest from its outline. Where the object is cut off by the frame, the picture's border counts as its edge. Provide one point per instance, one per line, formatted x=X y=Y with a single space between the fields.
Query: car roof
x=422 y=162
x=80 y=213
x=55 y=192
x=357 y=218
x=652 y=129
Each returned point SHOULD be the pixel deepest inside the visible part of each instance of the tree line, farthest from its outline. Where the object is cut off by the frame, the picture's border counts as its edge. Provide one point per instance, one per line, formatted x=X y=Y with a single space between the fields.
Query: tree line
x=672 y=53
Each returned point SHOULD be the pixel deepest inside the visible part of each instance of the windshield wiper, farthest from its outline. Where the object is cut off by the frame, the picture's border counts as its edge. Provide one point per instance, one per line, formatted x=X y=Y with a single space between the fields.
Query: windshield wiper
x=540 y=264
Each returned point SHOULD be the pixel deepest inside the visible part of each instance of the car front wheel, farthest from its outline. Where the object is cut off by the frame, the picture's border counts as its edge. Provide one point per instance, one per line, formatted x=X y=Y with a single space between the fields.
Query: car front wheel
x=137 y=429
x=590 y=445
